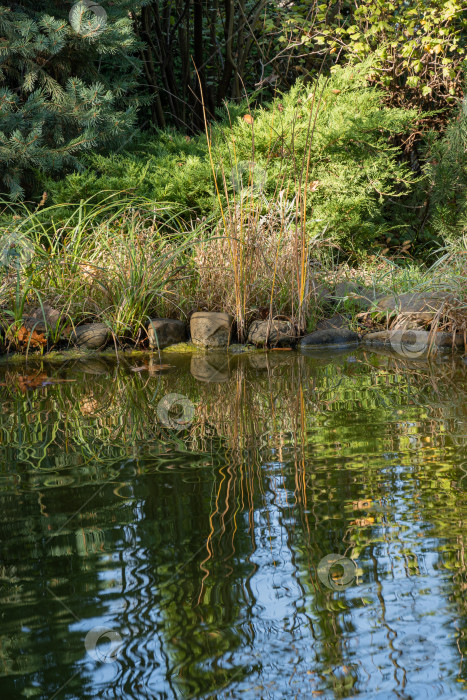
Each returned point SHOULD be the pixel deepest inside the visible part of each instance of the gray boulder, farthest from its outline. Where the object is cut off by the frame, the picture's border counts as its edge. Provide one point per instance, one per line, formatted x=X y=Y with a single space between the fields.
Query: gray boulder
x=413 y=343
x=345 y=289
x=336 y=321
x=362 y=297
x=277 y=334
x=414 y=310
x=321 y=293
x=332 y=336
x=42 y=319
x=415 y=302
x=92 y=336
x=211 y=329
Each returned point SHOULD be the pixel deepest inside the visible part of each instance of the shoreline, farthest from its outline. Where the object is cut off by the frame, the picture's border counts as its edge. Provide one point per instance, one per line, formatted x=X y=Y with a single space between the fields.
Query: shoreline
x=185 y=349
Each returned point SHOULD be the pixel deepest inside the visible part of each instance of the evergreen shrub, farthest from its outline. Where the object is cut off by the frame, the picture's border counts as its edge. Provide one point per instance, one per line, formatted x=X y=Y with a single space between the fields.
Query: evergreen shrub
x=353 y=165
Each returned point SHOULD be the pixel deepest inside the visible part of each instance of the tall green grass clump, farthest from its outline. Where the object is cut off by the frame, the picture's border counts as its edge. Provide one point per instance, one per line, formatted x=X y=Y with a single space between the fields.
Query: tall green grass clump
x=117 y=262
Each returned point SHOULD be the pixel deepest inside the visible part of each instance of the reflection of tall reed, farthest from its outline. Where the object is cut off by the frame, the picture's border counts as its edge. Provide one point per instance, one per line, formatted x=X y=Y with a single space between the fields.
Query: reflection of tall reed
x=270 y=466
x=267 y=401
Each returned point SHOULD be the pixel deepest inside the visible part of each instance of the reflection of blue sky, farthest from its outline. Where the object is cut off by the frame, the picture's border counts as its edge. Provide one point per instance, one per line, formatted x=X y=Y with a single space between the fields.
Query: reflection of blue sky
x=384 y=637
x=284 y=643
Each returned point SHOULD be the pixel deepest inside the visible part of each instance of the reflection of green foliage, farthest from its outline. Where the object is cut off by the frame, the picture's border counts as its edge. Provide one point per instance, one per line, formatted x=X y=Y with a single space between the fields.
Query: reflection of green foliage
x=291 y=450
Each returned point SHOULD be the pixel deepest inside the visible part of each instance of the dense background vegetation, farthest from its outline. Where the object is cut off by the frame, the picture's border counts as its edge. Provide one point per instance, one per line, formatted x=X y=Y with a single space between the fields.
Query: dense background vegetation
x=248 y=136
x=76 y=80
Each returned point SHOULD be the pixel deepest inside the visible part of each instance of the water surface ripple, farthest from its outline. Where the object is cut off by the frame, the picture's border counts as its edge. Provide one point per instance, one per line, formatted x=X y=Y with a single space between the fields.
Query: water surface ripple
x=141 y=561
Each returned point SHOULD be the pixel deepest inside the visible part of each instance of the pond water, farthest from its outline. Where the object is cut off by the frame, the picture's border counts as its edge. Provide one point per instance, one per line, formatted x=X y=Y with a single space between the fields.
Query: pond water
x=294 y=526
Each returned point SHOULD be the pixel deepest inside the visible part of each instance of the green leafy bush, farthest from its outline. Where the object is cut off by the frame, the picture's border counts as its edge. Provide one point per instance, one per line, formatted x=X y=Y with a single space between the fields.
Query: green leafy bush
x=341 y=131
x=168 y=168
x=419 y=46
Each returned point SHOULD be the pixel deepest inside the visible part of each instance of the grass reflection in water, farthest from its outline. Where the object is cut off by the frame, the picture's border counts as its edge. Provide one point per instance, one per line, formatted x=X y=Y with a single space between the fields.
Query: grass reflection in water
x=188 y=557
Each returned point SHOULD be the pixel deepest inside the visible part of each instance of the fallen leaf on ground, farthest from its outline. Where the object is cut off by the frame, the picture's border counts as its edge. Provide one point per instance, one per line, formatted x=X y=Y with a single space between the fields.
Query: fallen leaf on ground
x=33 y=339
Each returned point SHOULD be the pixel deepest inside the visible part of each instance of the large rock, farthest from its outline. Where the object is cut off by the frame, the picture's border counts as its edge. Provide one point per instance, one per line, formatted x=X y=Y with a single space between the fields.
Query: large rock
x=346 y=289
x=413 y=343
x=92 y=336
x=165 y=331
x=332 y=336
x=415 y=302
x=321 y=294
x=42 y=319
x=211 y=329
x=368 y=299
x=276 y=334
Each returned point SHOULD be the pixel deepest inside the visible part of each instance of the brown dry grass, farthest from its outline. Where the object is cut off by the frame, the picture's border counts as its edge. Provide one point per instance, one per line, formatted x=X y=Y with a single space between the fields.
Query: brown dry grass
x=254 y=252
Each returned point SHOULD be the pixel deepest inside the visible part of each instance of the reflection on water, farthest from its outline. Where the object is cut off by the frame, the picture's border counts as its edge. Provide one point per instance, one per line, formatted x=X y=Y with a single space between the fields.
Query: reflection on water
x=140 y=560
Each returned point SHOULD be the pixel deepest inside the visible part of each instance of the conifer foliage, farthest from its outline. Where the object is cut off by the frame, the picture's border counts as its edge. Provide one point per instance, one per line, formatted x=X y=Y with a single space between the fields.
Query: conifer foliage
x=353 y=166
x=62 y=91
x=447 y=173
